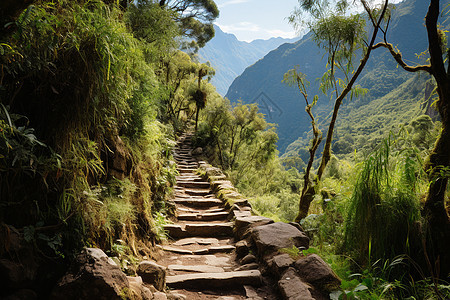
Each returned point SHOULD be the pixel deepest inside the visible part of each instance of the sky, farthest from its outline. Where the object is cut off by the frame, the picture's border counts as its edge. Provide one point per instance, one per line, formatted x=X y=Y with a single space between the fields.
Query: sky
x=258 y=19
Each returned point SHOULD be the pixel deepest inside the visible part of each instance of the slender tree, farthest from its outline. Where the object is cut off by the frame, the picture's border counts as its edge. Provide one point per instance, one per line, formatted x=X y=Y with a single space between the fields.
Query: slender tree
x=340 y=35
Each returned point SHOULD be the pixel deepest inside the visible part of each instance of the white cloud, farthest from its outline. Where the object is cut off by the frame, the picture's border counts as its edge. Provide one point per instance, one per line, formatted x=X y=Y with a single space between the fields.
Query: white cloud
x=241 y=26
x=247 y=31
x=232 y=2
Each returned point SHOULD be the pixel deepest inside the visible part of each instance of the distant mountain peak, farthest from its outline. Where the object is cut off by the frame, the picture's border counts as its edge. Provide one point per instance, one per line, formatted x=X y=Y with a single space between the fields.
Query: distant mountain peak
x=230 y=56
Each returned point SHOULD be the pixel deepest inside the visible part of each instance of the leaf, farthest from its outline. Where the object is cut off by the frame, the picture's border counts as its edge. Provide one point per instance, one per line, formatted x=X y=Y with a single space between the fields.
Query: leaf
x=335 y=295
x=360 y=287
x=28 y=233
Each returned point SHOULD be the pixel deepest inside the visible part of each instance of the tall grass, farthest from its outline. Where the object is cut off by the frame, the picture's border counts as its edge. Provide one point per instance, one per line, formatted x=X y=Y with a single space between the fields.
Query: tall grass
x=384 y=208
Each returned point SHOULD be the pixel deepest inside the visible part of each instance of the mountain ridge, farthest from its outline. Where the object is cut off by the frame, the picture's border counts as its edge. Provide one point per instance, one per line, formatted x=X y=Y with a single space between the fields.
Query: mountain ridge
x=230 y=56
x=380 y=76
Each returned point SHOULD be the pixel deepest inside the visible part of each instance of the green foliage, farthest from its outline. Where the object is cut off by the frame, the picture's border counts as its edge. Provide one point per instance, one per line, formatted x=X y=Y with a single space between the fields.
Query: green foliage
x=384 y=207
x=84 y=73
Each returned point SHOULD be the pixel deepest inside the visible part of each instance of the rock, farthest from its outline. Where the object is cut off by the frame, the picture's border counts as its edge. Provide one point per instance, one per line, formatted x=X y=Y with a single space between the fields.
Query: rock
x=242 y=248
x=152 y=273
x=146 y=293
x=176 y=296
x=22 y=295
x=251 y=293
x=250 y=266
x=212 y=171
x=209 y=230
x=249 y=258
x=280 y=263
x=197 y=268
x=313 y=269
x=293 y=288
x=159 y=296
x=92 y=276
x=197 y=151
x=138 y=290
x=99 y=255
x=269 y=239
x=244 y=224
x=215 y=280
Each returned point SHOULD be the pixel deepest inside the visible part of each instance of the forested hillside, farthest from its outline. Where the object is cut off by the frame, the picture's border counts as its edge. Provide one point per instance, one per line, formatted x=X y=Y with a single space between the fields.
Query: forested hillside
x=380 y=76
x=230 y=57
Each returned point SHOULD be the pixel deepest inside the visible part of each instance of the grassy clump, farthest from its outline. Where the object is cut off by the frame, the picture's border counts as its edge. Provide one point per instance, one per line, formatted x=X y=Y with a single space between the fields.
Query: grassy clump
x=384 y=208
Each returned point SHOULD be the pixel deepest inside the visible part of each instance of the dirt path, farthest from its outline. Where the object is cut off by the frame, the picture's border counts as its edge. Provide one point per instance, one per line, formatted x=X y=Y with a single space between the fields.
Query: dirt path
x=200 y=257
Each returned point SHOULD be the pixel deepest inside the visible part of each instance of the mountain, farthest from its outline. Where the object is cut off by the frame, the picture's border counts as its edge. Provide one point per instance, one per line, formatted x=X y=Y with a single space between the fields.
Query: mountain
x=283 y=105
x=230 y=57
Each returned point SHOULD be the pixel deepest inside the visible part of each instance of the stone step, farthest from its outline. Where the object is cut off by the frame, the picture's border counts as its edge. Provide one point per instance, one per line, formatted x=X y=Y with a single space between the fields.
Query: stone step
x=189 y=177
x=197 y=202
x=200 y=230
x=186 y=170
x=196 y=269
x=201 y=251
x=183 y=210
x=197 y=192
x=214 y=216
x=215 y=280
x=193 y=184
x=210 y=230
x=186 y=162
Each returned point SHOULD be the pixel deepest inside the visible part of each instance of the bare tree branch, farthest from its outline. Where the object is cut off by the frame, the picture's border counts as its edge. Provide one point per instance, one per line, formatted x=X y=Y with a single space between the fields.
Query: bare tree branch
x=398 y=58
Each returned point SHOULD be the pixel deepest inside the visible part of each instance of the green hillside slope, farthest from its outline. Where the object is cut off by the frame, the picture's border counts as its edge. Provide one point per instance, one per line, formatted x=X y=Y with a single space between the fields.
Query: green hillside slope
x=261 y=83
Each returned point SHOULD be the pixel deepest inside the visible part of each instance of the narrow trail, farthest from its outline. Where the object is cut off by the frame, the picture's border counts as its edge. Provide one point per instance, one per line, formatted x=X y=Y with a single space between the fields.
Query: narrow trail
x=200 y=257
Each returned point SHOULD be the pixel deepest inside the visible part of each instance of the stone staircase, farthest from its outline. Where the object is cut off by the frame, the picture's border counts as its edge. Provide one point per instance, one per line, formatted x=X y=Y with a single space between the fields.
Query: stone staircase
x=201 y=258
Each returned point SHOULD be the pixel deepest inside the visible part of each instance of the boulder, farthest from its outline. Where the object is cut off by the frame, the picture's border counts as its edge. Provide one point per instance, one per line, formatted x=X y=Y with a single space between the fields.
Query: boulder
x=197 y=151
x=313 y=269
x=242 y=248
x=270 y=238
x=242 y=225
x=92 y=276
x=246 y=267
x=280 y=263
x=159 y=296
x=137 y=288
x=152 y=273
x=249 y=258
x=293 y=288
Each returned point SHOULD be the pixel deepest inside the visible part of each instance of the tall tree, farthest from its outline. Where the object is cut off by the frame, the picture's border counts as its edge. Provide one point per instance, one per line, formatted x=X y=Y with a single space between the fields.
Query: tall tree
x=195 y=18
x=340 y=34
x=438 y=164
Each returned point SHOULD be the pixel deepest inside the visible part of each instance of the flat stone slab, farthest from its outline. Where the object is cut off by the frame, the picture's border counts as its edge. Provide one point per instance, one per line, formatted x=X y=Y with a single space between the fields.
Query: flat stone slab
x=193 y=184
x=197 y=269
x=197 y=192
x=215 y=280
x=199 y=230
x=192 y=202
x=209 y=230
x=186 y=170
x=224 y=248
x=199 y=241
x=204 y=216
x=177 y=250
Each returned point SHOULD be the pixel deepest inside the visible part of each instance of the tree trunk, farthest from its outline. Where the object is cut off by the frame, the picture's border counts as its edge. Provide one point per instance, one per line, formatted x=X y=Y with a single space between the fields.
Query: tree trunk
x=434 y=210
